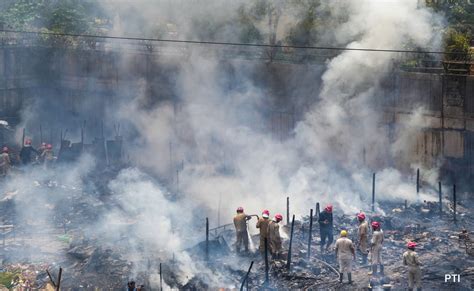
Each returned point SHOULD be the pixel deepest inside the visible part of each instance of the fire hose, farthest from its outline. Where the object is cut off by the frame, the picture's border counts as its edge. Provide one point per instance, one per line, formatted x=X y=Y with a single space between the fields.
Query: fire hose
x=329 y=266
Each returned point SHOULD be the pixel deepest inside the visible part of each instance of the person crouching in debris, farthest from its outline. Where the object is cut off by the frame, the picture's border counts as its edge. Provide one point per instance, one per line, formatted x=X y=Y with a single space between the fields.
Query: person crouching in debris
x=376 y=248
x=48 y=156
x=363 y=232
x=5 y=162
x=262 y=225
x=345 y=252
x=240 y=223
x=326 y=227
x=274 y=237
x=410 y=259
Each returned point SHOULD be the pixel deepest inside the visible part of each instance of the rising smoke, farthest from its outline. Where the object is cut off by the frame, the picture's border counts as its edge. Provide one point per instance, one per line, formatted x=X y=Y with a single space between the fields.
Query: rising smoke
x=212 y=142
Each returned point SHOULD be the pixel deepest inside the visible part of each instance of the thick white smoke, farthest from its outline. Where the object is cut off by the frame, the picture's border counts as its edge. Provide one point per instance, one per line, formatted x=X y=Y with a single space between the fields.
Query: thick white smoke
x=215 y=144
x=340 y=138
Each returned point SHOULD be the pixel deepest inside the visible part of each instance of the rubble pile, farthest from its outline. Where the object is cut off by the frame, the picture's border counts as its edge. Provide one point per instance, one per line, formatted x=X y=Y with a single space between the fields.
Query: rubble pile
x=87 y=262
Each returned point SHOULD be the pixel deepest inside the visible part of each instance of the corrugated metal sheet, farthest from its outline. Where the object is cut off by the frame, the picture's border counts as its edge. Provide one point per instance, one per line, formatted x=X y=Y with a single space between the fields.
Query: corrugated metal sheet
x=469 y=99
x=453 y=144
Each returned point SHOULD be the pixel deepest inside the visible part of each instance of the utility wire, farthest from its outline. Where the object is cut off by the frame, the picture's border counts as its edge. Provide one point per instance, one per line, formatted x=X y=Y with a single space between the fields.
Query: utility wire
x=217 y=43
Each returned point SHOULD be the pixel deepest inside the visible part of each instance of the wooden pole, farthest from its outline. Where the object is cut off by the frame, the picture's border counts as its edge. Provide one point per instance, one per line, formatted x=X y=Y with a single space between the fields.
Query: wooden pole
x=318 y=210
x=219 y=210
x=373 y=192
x=454 y=202
x=207 y=239
x=23 y=138
x=287 y=210
x=58 y=284
x=246 y=277
x=440 y=193
x=161 y=279
x=418 y=184
x=177 y=181
x=310 y=234
x=267 y=278
x=288 y=261
x=51 y=278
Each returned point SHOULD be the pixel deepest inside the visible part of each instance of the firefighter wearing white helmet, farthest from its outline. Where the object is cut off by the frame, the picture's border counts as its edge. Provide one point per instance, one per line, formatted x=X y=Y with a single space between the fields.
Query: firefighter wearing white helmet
x=345 y=253
x=262 y=225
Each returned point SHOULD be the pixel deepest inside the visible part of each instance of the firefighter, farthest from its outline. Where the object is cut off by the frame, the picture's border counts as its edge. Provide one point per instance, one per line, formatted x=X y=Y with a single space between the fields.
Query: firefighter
x=326 y=227
x=5 y=162
x=240 y=223
x=274 y=237
x=345 y=253
x=262 y=225
x=47 y=156
x=376 y=248
x=363 y=232
x=27 y=153
x=410 y=259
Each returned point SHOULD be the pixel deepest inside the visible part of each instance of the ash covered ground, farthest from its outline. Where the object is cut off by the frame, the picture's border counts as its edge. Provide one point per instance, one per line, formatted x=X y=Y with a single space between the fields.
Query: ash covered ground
x=68 y=237
x=207 y=127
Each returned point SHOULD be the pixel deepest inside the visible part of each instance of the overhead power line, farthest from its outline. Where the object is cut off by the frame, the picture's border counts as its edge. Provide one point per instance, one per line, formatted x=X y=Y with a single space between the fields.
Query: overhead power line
x=217 y=43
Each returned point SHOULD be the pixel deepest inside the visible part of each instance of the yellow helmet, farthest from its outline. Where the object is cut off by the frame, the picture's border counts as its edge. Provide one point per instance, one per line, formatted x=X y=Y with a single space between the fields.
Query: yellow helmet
x=343 y=232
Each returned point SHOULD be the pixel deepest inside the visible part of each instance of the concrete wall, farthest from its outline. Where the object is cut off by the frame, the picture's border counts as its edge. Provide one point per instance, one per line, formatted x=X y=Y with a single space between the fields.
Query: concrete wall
x=72 y=76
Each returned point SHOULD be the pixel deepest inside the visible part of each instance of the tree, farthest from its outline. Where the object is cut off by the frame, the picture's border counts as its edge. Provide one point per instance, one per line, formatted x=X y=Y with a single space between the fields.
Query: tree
x=66 y=16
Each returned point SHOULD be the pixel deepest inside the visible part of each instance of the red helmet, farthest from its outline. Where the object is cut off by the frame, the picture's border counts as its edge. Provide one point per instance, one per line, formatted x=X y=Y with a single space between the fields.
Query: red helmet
x=265 y=213
x=28 y=142
x=375 y=225
x=49 y=146
x=240 y=209
x=328 y=208
x=361 y=216
x=5 y=150
x=411 y=245
x=278 y=217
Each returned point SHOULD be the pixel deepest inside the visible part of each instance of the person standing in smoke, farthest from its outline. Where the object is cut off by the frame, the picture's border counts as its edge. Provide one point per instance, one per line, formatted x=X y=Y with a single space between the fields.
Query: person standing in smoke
x=240 y=223
x=410 y=259
x=262 y=225
x=41 y=151
x=345 y=252
x=27 y=153
x=47 y=156
x=274 y=237
x=5 y=162
x=326 y=227
x=376 y=248
x=363 y=232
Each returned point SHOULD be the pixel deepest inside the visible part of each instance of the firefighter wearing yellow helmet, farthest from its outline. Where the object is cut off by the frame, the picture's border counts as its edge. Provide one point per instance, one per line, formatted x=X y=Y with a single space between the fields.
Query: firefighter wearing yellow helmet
x=345 y=253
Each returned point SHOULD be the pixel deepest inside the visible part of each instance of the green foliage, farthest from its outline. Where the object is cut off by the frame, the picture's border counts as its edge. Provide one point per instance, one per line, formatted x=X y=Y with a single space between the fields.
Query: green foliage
x=66 y=16
x=7 y=279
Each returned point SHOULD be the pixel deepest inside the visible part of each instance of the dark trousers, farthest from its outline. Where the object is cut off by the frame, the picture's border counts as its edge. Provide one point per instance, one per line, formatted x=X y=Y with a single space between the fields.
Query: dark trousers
x=326 y=234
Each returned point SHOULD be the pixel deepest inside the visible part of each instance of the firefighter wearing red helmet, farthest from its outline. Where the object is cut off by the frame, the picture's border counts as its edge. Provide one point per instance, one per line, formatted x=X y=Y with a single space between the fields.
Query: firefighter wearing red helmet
x=262 y=225
x=5 y=162
x=411 y=260
x=240 y=223
x=28 y=153
x=274 y=237
x=376 y=248
x=363 y=232
x=326 y=227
